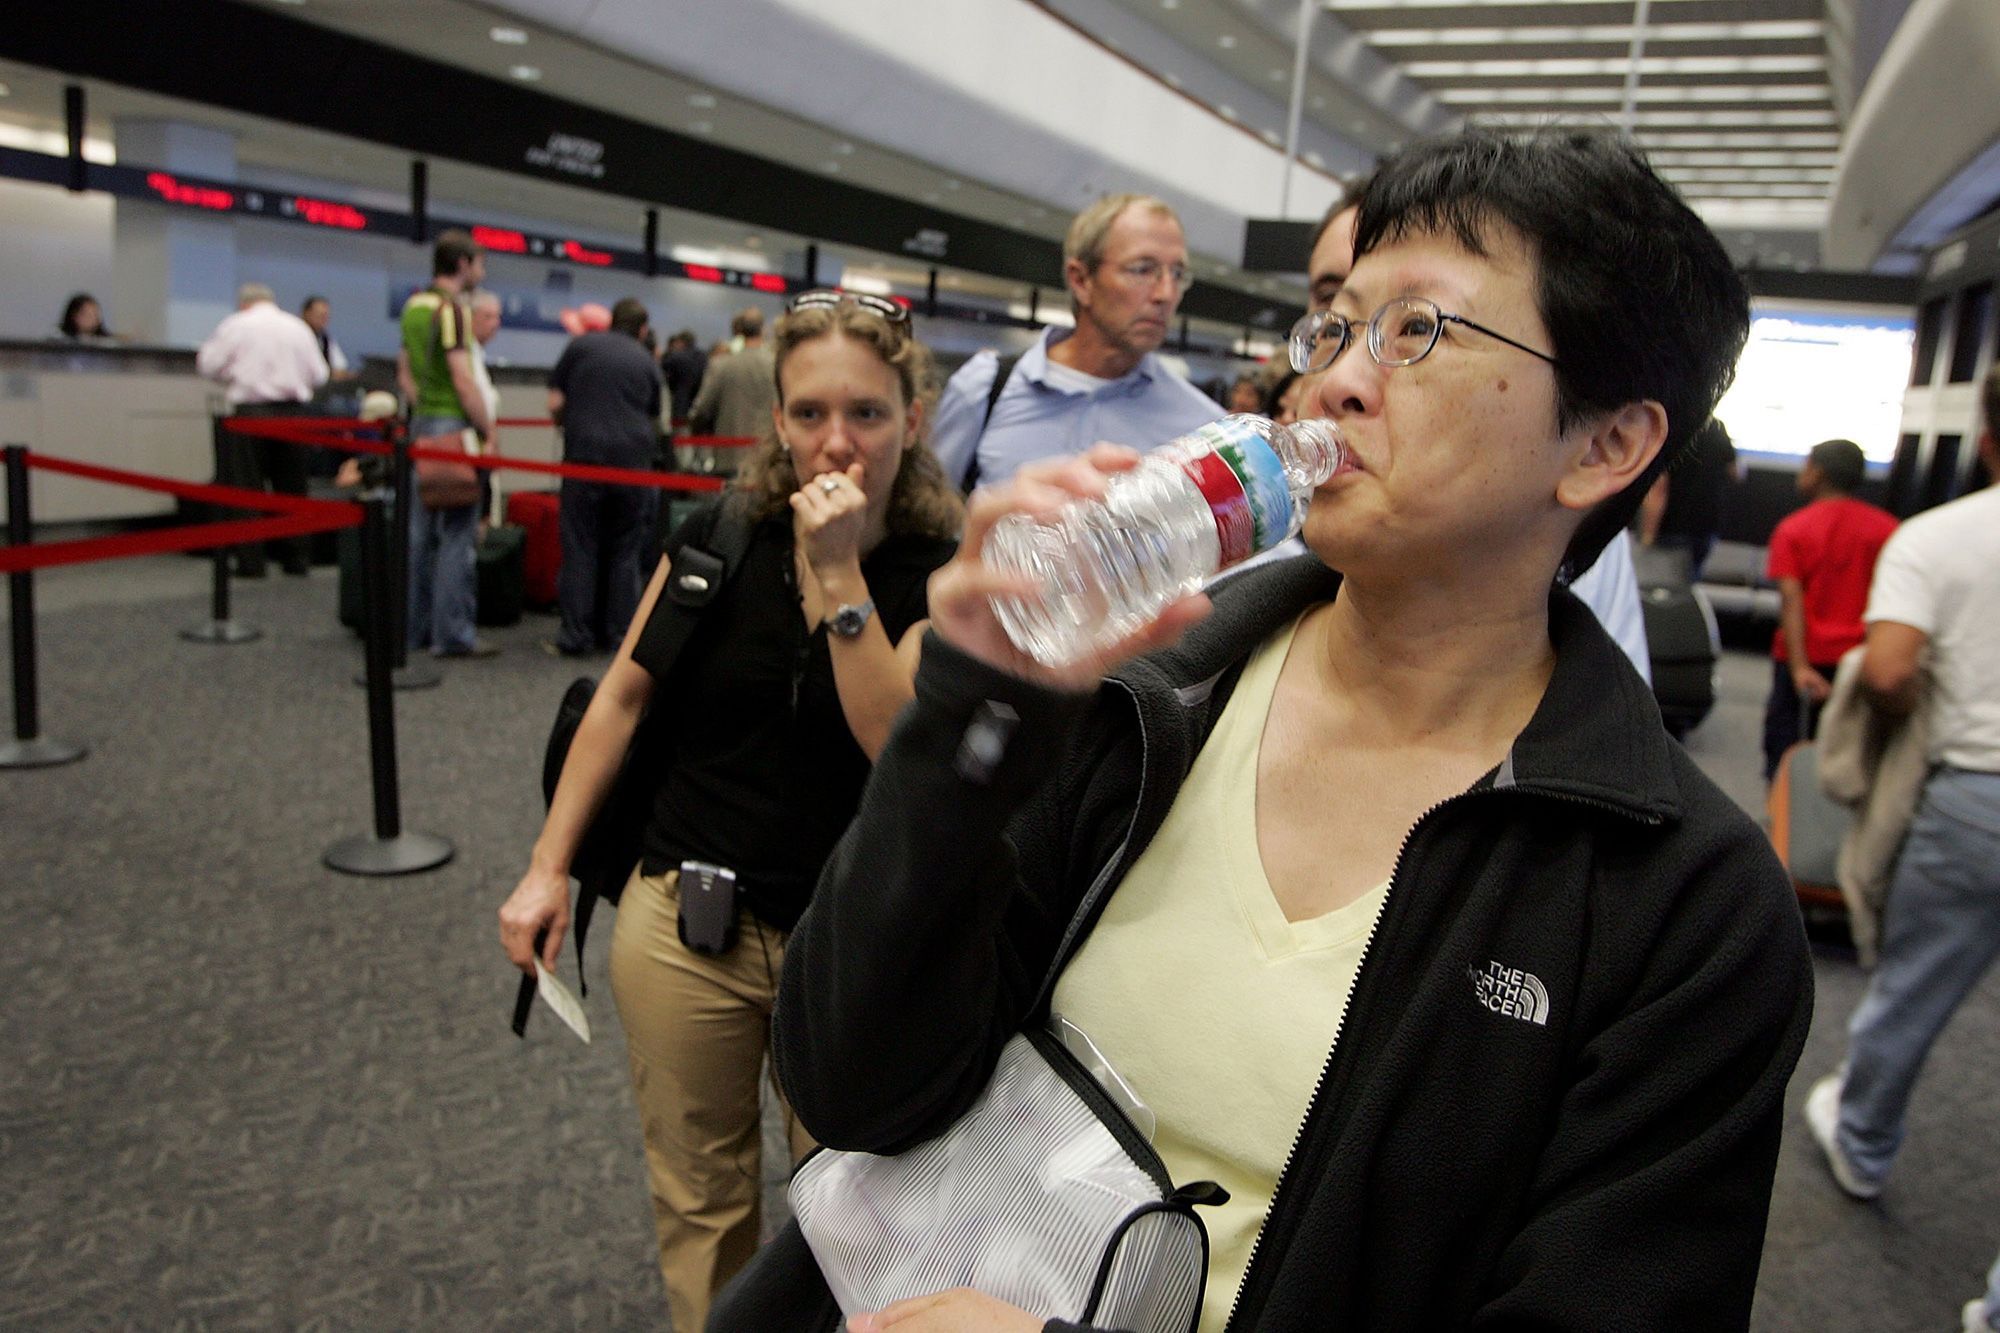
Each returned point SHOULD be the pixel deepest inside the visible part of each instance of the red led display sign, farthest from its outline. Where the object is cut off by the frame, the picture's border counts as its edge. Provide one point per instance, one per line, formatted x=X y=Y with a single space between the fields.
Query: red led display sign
x=178 y=190
x=501 y=240
x=321 y=213
x=172 y=190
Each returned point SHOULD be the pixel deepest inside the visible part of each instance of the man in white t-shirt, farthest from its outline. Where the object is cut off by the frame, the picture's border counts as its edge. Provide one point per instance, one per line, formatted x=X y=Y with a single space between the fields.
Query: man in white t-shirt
x=1933 y=631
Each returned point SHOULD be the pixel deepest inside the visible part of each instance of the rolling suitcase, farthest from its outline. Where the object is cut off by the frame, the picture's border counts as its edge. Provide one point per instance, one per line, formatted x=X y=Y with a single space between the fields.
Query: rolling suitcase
x=538 y=513
x=501 y=575
x=1807 y=827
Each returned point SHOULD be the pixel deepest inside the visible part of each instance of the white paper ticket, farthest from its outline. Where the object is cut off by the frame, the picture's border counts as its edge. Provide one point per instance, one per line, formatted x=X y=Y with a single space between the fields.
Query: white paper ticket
x=562 y=1000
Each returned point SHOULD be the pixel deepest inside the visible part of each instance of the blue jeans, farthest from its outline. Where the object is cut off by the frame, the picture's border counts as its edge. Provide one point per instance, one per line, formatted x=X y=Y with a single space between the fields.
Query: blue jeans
x=1940 y=933
x=444 y=564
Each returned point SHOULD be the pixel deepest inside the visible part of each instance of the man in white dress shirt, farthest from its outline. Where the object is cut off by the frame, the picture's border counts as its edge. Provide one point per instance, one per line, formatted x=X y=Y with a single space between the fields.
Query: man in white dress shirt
x=269 y=363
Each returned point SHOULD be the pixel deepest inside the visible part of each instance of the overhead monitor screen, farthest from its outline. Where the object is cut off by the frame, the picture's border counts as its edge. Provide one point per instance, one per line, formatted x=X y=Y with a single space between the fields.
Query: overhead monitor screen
x=1814 y=372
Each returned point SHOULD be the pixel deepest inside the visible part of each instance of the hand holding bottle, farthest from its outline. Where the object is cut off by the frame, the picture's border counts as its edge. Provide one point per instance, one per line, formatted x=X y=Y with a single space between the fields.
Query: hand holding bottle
x=963 y=592
x=1104 y=565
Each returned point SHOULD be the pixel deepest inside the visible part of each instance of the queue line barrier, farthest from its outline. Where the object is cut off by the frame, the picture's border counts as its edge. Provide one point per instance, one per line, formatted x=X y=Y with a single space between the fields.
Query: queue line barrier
x=392 y=851
x=389 y=850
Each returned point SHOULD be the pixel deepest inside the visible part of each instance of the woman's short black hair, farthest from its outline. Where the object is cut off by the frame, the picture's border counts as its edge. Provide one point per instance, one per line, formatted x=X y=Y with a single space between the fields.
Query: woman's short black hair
x=1639 y=298
x=73 y=310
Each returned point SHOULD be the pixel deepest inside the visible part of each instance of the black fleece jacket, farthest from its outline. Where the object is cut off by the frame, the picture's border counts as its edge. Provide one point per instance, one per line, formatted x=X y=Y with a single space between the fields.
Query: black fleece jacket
x=1555 y=1103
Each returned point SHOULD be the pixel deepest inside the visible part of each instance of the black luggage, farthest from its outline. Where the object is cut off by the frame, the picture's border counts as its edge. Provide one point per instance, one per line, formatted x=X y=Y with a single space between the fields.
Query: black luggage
x=1681 y=639
x=1682 y=642
x=502 y=575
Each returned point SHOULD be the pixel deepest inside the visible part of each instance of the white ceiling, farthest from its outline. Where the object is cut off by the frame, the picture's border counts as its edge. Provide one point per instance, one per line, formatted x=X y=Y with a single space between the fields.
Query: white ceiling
x=1015 y=111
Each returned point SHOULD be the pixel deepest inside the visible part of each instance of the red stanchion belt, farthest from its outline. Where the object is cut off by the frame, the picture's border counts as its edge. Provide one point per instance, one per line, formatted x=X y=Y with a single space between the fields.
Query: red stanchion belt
x=317 y=432
x=292 y=516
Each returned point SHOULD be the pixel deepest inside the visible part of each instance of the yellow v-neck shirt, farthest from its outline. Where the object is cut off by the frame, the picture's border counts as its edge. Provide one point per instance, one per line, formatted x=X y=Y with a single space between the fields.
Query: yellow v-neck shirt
x=1217 y=1010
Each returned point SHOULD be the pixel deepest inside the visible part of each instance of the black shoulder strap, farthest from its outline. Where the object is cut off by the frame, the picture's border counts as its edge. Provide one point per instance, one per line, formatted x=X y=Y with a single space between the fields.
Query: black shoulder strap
x=699 y=571
x=1003 y=370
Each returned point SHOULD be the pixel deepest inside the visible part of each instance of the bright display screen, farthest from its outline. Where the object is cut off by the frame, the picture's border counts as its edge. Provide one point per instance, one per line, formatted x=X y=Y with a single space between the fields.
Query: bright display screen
x=1813 y=373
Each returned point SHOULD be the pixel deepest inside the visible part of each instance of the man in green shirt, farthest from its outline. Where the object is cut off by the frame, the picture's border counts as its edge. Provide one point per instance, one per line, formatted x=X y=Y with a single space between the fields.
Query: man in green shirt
x=434 y=369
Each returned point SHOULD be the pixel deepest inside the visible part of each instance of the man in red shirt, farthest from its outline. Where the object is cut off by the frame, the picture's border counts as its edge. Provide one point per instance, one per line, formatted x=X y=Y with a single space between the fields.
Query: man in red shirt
x=1822 y=558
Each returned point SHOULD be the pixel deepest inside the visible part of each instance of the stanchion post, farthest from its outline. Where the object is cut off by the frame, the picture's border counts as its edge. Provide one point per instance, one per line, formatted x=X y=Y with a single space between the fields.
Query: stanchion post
x=399 y=541
x=404 y=675
x=29 y=748
x=220 y=628
x=389 y=851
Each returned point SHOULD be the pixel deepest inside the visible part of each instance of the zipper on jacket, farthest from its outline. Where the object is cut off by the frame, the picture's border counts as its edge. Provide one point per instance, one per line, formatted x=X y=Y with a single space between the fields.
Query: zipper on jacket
x=1340 y=1033
x=1319 y=1084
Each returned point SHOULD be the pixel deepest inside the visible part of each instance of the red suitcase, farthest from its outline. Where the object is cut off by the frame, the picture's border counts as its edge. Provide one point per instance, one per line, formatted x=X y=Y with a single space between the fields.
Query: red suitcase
x=538 y=511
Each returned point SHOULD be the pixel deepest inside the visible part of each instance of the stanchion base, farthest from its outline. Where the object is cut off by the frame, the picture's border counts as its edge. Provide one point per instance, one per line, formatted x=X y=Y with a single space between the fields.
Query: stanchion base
x=414 y=676
x=41 y=752
x=404 y=854
x=221 y=631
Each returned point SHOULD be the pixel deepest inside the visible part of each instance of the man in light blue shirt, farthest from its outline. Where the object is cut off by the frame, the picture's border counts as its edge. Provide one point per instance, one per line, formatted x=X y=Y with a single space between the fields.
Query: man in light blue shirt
x=1125 y=263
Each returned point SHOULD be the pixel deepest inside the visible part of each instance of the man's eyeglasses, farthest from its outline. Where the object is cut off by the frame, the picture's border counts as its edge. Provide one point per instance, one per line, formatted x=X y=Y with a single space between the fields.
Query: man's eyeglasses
x=1401 y=333
x=1146 y=272
x=827 y=298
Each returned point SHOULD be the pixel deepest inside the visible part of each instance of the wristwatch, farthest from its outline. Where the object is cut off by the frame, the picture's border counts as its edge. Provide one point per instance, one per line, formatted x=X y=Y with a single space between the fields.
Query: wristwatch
x=849 y=621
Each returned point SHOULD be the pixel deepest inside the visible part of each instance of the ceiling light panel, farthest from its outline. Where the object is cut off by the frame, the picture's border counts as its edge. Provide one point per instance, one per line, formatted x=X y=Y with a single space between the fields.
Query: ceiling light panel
x=1610 y=96
x=1773 y=30
x=1561 y=67
x=1735 y=191
x=1688 y=118
x=1747 y=138
x=1762 y=175
x=1665 y=7
x=1743 y=159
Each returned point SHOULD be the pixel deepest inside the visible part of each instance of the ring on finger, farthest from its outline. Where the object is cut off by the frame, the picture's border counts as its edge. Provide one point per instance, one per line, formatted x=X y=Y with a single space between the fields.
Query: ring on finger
x=829 y=484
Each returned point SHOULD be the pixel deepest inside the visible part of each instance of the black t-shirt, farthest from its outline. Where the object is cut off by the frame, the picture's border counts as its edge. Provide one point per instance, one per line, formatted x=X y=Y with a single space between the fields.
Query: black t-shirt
x=762 y=773
x=611 y=400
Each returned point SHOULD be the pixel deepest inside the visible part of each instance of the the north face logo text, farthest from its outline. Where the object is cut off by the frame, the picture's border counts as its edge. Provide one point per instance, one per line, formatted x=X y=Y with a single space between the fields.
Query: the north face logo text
x=1510 y=991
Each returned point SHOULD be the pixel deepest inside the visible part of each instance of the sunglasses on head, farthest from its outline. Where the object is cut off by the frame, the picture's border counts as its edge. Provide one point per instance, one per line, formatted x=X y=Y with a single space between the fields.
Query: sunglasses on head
x=828 y=298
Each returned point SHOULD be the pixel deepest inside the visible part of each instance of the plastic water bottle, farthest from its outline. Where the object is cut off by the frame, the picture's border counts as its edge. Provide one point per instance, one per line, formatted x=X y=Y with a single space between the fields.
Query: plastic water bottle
x=1193 y=506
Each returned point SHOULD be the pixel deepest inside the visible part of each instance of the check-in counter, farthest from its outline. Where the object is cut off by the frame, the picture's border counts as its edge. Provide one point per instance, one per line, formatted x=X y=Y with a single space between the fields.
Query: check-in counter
x=145 y=409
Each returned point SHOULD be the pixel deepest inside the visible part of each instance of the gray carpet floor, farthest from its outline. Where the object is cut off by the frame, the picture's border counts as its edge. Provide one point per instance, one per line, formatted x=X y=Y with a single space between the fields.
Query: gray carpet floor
x=241 y=1091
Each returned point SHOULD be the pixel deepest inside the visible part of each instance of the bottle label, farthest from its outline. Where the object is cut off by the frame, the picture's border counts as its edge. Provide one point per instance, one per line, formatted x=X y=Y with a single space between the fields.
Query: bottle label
x=1241 y=477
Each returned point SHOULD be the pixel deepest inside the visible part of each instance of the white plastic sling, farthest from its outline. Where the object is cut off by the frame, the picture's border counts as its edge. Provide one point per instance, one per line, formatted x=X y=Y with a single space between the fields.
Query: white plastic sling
x=1042 y=1194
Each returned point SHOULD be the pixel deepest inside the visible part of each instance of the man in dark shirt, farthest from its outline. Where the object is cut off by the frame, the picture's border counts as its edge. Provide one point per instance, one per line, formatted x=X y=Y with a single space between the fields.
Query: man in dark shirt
x=684 y=364
x=605 y=394
x=1685 y=510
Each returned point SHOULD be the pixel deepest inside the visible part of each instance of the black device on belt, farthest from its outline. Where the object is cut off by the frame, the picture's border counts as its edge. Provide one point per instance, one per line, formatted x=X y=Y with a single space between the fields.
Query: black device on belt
x=708 y=907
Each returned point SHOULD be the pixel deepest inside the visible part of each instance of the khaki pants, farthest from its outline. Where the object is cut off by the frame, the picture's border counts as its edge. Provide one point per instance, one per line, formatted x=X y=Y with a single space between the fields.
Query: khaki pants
x=696 y=1029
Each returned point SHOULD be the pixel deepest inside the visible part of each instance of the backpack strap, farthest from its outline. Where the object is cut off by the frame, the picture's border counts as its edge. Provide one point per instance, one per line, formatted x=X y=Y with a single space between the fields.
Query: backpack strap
x=1003 y=370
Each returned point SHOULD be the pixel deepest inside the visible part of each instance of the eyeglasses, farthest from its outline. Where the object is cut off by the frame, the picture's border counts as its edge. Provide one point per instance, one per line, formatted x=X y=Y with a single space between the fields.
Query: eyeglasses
x=828 y=298
x=1401 y=333
x=1146 y=272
